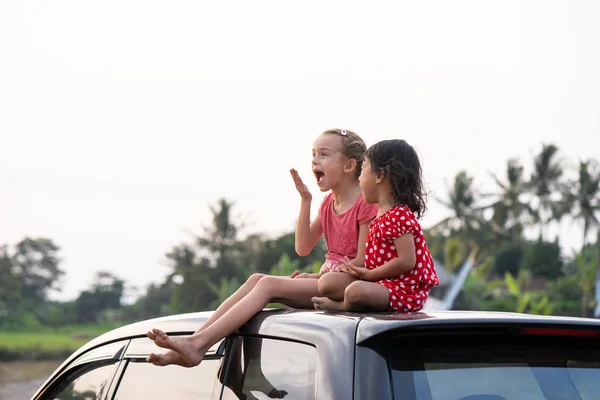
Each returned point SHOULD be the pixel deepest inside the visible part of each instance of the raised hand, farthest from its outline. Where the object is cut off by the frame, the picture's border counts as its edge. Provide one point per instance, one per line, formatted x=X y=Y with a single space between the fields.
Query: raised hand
x=300 y=186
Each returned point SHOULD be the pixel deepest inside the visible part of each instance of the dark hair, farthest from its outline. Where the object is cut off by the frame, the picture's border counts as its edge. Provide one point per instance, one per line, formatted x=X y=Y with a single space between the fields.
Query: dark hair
x=353 y=146
x=397 y=160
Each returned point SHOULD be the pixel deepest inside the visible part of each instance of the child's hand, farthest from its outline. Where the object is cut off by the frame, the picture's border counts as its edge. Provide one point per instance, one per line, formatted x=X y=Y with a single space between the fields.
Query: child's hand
x=359 y=272
x=307 y=275
x=300 y=186
x=295 y=274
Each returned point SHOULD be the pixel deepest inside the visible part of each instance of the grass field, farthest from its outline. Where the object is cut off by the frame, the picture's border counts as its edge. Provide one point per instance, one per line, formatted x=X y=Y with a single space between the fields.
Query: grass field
x=23 y=371
x=49 y=339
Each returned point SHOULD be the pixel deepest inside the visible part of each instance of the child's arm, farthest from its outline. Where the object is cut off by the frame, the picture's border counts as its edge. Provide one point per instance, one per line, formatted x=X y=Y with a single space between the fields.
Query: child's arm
x=405 y=261
x=307 y=233
x=359 y=260
x=405 y=246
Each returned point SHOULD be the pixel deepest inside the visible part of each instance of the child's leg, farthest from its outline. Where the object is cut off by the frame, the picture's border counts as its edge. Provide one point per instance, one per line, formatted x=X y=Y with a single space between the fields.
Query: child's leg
x=333 y=284
x=358 y=296
x=232 y=300
x=171 y=357
x=295 y=292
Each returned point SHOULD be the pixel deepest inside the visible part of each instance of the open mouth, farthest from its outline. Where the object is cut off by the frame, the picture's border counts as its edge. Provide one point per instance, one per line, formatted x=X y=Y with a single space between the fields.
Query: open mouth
x=320 y=176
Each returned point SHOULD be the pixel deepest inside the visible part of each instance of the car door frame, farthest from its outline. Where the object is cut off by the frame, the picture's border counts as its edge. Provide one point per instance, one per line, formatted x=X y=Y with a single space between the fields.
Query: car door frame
x=137 y=351
x=101 y=354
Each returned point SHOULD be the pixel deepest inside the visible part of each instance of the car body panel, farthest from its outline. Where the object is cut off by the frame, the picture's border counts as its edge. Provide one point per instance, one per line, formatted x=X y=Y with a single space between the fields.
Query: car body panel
x=374 y=324
x=345 y=342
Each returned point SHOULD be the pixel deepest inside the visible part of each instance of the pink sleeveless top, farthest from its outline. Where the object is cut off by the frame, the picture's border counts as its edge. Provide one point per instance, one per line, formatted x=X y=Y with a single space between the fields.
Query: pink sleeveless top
x=341 y=230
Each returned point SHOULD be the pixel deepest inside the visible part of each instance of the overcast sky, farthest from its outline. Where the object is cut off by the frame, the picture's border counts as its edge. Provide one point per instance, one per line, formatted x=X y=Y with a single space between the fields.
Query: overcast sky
x=122 y=121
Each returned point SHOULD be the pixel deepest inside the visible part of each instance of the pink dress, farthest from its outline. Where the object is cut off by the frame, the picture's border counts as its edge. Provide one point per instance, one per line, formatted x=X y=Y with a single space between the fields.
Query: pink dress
x=408 y=291
x=341 y=230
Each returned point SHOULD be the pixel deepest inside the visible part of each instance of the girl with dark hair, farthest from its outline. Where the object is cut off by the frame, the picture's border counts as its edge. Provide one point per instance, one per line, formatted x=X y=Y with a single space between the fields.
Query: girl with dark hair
x=398 y=269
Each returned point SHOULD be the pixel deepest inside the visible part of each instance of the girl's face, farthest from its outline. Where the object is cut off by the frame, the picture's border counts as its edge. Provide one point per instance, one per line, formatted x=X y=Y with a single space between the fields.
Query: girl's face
x=368 y=182
x=328 y=161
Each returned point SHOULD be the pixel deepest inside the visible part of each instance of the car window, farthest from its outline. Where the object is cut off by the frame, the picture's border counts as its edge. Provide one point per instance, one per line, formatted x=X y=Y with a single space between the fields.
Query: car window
x=149 y=382
x=88 y=376
x=85 y=382
x=267 y=368
x=495 y=367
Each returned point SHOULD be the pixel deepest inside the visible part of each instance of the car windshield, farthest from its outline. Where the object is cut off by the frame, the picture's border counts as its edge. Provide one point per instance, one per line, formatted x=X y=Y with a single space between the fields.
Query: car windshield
x=495 y=367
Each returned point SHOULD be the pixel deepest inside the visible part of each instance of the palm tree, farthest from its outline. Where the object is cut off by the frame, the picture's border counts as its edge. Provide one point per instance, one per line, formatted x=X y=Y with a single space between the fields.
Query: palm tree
x=545 y=181
x=222 y=234
x=460 y=201
x=220 y=240
x=582 y=196
x=512 y=213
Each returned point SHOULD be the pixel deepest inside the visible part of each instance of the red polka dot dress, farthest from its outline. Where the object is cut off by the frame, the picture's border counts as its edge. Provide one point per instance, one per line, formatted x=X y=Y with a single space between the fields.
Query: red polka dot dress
x=408 y=291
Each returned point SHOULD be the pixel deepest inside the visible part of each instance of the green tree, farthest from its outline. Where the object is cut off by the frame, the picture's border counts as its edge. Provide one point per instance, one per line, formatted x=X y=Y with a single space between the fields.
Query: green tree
x=508 y=257
x=585 y=262
x=220 y=239
x=545 y=183
x=461 y=197
x=217 y=253
x=190 y=278
x=106 y=293
x=543 y=259
x=36 y=264
x=531 y=302
x=10 y=286
x=454 y=253
x=565 y=293
x=582 y=196
x=154 y=303
x=511 y=211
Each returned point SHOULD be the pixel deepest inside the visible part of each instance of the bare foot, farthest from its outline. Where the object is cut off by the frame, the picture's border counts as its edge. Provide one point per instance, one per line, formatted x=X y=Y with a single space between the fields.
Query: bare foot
x=190 y=348
x=324 y=303
x=169 y=358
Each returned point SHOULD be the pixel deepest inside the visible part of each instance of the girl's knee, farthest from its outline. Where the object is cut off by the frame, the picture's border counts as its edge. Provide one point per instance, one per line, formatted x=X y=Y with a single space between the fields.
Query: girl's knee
x=266 y=281
x=333 y=284
x=354 y=294
x=326 y=285
x=254 y=278
x=273 y=287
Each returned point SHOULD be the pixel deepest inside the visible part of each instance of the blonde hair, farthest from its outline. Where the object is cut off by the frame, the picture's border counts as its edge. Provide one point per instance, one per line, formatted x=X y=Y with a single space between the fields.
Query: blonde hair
x=353 y=147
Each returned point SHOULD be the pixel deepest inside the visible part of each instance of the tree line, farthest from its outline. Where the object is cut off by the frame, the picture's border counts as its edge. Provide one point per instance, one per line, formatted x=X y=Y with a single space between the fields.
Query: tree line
x=519 y=264
x=514 y=271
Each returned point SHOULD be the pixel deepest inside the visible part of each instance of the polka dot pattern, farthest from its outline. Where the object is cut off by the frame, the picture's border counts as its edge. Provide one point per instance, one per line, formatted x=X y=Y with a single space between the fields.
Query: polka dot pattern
x=408 y=291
